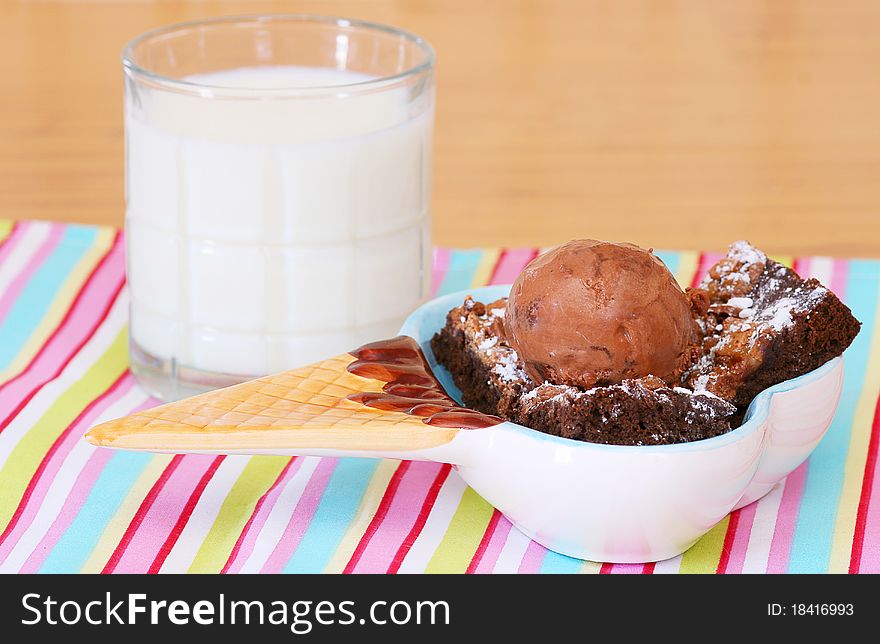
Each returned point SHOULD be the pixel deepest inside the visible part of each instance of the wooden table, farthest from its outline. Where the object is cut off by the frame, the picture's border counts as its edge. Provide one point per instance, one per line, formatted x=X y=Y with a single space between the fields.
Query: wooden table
x=671 y=124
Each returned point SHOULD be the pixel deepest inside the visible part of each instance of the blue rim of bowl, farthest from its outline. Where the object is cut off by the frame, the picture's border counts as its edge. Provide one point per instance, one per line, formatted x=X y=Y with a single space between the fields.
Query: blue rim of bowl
x=419 y=326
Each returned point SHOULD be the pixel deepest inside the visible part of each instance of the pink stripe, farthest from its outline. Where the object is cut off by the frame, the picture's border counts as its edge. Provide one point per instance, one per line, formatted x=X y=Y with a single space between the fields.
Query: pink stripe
x=400 y=518
x=511 y=264
x=163 y=515
x=786 y=519
x=532 y=559
x=869 y=562
x=75 y=500
x=707 y=261
x=740 y=546
x=441 y=265
x=255 y=524
x=627 y=569
x=7 y=300
x=94 y=298
x=301 y=516
x=839 y=277
x=18 y=231
x=421 y=520
x=495 y=546
x=803 y=266
x=44 y=483
x=77 y=496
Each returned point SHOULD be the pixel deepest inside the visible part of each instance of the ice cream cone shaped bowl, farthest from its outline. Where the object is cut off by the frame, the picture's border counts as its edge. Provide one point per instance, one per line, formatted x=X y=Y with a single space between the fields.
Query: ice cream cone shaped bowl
x=612 y=503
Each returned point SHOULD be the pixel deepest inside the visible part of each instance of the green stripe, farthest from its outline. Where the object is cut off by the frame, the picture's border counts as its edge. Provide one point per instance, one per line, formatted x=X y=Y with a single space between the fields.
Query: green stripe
x=32 y=448
x=256 y=478
x=705 y=554
x=463 y=536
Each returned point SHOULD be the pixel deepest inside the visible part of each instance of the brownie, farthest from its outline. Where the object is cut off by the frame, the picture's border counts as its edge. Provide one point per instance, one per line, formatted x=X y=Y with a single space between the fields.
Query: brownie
x=636 y=412
x=483 y=366
x=764 y=324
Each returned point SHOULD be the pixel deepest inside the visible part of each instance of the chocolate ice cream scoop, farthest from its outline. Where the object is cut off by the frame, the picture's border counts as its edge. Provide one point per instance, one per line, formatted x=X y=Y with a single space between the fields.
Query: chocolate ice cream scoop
x=591 y=313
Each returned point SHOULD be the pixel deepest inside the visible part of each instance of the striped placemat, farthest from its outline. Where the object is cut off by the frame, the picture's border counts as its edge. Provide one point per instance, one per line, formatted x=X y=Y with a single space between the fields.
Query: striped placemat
x=68 y=507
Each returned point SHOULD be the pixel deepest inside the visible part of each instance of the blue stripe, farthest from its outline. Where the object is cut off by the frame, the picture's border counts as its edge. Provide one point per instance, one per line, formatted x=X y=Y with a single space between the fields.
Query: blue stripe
x=110 y=489
x=334 y=514
x=814 y=531
x=462 y=266
x=672 y=259
x=35 y=299
x=557 y=564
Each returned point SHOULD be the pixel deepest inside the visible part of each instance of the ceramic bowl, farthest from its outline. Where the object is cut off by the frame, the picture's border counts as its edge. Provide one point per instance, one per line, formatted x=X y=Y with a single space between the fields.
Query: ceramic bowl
x=630 y=504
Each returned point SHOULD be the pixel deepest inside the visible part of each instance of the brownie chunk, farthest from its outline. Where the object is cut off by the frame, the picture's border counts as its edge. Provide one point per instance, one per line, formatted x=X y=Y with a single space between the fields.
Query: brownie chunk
x=763 y=325
x=636 y=412
x=483 y=366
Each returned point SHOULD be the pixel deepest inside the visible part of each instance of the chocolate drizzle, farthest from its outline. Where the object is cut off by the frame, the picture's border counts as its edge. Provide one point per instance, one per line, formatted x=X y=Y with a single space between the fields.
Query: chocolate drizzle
x=411 y=386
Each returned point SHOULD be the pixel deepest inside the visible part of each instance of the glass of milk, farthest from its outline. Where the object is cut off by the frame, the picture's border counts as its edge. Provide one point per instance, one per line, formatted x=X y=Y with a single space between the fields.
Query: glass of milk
x=278 y=174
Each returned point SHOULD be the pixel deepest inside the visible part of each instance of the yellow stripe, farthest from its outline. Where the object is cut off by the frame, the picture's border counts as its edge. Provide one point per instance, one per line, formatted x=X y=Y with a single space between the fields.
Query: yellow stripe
x=688 y=264
x=483 y=272
x=60 y=305
x=785 y=260
x=857 y=454
x=113 y=533
x=255 y=479
x=31 y=449
x=463 y=535
x=5 y=228
x=590 y=568
x=365 y=513
x=705 y=554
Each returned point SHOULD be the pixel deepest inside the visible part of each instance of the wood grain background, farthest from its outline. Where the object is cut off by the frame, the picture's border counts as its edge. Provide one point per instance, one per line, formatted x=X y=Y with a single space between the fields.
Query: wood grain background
x=674 y=124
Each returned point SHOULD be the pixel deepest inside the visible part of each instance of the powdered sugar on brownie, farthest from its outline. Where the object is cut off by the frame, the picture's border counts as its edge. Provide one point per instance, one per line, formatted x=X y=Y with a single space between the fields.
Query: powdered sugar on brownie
x=488 y=343
x=483 y=326
x=744 y=253
x=700 y=400
x=473 y=347
x=741 y=302
x=508 y=367
x=634 y=412
x=752 y=301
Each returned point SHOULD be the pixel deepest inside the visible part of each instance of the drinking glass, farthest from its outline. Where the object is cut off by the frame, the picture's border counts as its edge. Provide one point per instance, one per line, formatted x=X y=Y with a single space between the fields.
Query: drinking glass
x=278 y=174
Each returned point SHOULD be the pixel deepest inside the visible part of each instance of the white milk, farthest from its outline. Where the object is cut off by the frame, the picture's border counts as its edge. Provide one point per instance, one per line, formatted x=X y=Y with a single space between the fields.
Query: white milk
x=264 y=234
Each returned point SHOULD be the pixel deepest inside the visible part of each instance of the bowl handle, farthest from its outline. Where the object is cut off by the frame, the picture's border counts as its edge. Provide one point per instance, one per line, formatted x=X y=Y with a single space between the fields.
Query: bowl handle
x=380 y=400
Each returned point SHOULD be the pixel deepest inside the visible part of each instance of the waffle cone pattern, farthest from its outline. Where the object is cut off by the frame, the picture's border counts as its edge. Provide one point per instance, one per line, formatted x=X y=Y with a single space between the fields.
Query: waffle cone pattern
x=304 y=408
